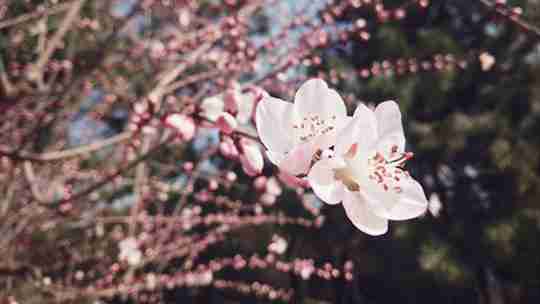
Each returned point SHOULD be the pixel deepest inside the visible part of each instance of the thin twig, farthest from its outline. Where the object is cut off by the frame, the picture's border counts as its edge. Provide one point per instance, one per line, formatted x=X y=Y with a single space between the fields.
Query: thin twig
x=34 y=186
x=36 y=14
x=509 y=15
x=117 y=173
x=56 y=155
x=64 y=27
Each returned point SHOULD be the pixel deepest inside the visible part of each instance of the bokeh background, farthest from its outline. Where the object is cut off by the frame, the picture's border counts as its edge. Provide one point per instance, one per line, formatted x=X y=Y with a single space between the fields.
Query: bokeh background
x=465 y=74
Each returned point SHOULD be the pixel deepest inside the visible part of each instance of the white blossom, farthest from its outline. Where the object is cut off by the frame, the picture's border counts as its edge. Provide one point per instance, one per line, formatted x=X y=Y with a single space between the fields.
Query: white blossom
x=293 y=133
x=365 y=171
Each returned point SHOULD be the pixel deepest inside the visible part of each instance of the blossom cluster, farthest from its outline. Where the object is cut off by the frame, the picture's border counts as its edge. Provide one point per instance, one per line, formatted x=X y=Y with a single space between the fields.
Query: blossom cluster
x=357 y=160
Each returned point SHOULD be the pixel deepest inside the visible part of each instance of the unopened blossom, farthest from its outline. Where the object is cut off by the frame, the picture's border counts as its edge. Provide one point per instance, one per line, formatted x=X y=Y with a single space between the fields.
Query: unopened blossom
x=184 y=125
x=486 y=61
x=293 y=133
x=231 y=100
x=129 y=251
x=157 y=49
x=268 y=199
x=151 y=281
x=141 y=108
x=365 y=171
x=246 y=105
x=238 y=104
x=273 y=187
x=227 y=148
x=304 y=268
x=212 y=107
x=292 y=181
x=226 y=123
x=231 y=176
x=260 y=183
x=435 y=205
x=278 y=245
x=205 y=278
x=251 y=157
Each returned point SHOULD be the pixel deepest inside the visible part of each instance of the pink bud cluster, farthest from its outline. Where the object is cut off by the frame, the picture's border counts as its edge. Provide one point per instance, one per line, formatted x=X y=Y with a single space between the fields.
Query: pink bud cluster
x=257 y=289
x=387 y=68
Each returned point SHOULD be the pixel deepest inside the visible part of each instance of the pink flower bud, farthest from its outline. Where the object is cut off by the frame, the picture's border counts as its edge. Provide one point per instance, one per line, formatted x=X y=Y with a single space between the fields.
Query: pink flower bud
x=292 y=181
x=182 y=124
x=259 y=93
x=212 y=107
x=268 y=199
x=230 y=176
x=213 y=185
x=251 y=157
x=278 y=245
x=226 y=123
x=260 y=183
x=230 y=99
x=486 y=61
x=188 y=166
x=227 y=148
x=141 y=107
x=273 y=187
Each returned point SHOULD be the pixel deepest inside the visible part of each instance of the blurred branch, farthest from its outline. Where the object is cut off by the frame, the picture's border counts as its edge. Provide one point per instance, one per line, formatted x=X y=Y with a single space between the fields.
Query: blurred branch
x=34 y=185
x=513 y=17
x=57 y=155
x=4 y=80
x=191 y=79
x=36 y=14
x=139 y=187
x=117 y=173
x=37 y=72
x=72 y=88
x=169 y=76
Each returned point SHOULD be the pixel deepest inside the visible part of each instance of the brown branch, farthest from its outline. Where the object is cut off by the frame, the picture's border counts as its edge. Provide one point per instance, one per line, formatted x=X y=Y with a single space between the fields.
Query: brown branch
x=56 y=155
x=34 y=187
x=117 y=173
x=65 y=26
x=512 y=17
x=35 y=15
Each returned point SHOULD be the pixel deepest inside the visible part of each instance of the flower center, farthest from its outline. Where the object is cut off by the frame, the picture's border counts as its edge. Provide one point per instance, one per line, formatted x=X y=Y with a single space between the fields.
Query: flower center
x=311 y=126
x=388 y=173
x=345 y=176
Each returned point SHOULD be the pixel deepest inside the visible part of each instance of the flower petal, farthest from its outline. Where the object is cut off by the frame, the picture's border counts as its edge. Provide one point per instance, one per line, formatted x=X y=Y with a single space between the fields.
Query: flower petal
x=314 y=97
x=410 y=202
x=273 y=118
x=390 y=127
x=322 y=179
x=298 y=160
x=331 y=194
x=329 y=139
x=275 y=157
x=362 y=130
x=292 y=181
x=361 y=216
